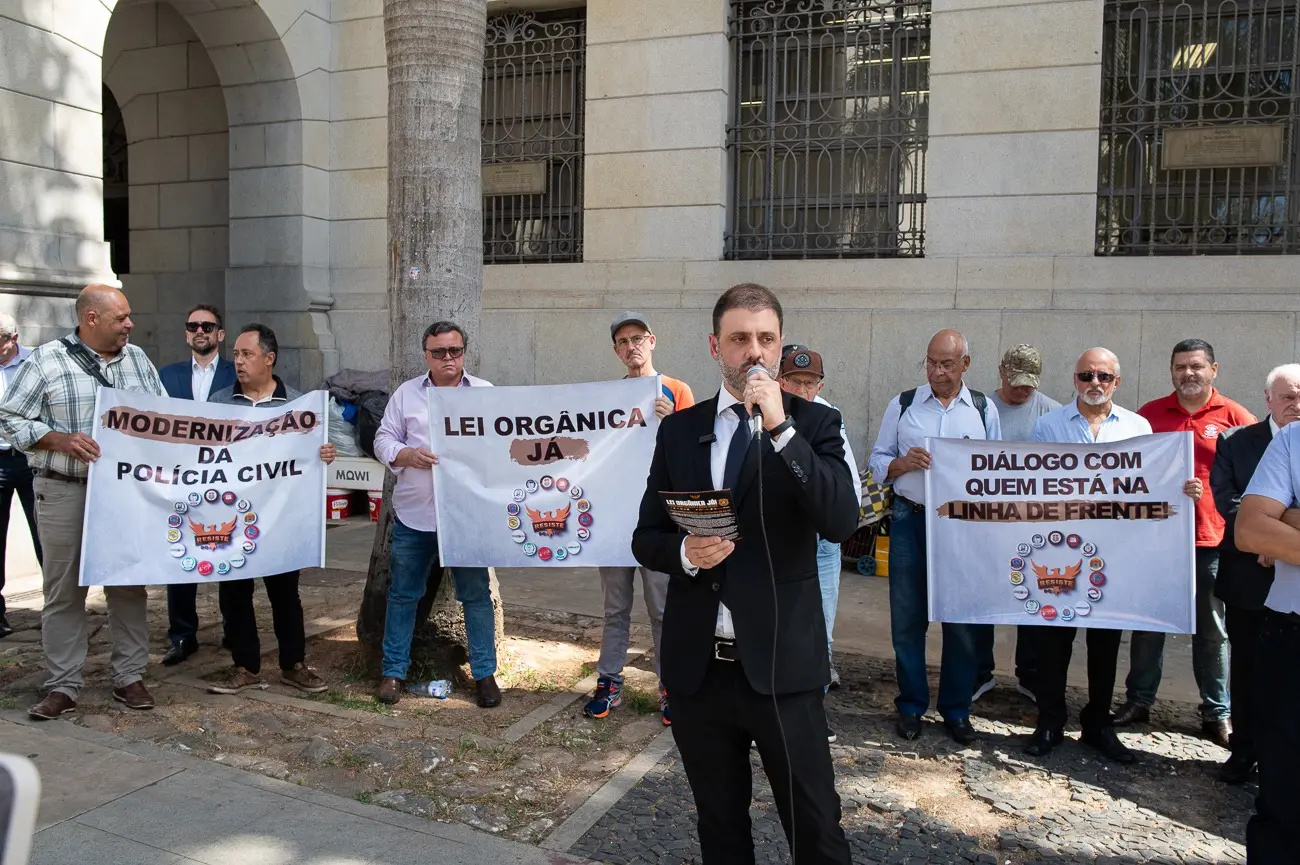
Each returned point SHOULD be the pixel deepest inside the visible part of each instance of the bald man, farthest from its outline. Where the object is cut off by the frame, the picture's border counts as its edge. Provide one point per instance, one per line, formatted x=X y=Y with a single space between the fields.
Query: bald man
x=942 y=408
x=47 y=413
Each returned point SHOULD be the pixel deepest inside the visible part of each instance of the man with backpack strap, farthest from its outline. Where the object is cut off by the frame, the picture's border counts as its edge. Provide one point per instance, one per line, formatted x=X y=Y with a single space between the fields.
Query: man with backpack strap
x=943 y=408
x=48 y=413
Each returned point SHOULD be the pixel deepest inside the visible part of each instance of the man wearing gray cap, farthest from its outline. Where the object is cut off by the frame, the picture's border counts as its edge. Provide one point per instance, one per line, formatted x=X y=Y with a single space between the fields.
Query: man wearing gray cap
x=634 y=345
x=1020 y=403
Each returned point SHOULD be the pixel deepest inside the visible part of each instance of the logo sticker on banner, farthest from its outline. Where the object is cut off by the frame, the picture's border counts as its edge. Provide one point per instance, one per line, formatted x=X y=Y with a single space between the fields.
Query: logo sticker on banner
x=1062 y=534
x=556 y=472
x=171 y=498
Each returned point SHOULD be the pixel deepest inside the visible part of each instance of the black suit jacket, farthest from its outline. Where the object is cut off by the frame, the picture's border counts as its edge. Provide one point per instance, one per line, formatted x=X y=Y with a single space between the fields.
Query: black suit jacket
x=178 y=380
x=1242 y=581
x=807 y=491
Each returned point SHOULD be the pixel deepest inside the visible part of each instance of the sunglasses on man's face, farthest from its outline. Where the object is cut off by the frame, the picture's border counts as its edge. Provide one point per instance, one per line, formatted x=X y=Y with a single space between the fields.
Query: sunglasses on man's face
x=1103 y=377
x=452 y=351
x=196 y=326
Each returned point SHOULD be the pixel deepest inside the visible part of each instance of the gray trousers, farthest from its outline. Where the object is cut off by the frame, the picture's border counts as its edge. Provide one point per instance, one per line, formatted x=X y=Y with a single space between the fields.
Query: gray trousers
x=60 y=507
x=618 y=586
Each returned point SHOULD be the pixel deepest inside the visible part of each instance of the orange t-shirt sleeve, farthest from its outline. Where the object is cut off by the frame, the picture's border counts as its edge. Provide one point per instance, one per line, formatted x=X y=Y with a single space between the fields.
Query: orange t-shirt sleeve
x=682 y=396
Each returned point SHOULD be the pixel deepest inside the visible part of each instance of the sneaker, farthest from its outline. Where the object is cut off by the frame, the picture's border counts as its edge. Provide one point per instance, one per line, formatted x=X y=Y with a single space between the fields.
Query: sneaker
x=663 y=706
x=835 y=678
x=237 y=682
x=830 y=736
x=303 y=678
x=607 y=698
x=984 y=687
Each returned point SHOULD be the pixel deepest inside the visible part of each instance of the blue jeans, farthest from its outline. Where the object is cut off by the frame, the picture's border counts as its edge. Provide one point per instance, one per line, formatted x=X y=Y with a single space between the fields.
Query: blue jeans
x=1209 y=649
x=828 y=574
x=909 y=620
x=413 y=556
x=1026 y=653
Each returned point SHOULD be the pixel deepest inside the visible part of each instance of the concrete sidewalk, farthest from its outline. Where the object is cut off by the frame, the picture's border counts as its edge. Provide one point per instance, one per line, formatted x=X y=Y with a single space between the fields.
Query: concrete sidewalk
x=106 y=801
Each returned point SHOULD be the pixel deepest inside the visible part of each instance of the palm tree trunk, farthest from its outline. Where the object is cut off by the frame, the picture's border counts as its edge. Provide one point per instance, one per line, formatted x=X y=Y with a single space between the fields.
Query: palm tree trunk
x=435 y=250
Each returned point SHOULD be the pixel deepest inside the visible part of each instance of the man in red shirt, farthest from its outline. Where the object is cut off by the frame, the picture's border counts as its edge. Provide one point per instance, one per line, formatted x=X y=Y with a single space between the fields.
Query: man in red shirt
x=1197 y=406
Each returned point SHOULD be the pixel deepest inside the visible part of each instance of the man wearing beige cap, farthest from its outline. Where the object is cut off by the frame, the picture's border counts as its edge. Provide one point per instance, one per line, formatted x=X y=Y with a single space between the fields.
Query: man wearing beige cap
x=1020 y=403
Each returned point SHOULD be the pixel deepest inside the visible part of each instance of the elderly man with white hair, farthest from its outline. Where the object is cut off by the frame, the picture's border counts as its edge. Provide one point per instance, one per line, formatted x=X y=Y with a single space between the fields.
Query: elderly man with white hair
x=15 y=473
x=1245 y=578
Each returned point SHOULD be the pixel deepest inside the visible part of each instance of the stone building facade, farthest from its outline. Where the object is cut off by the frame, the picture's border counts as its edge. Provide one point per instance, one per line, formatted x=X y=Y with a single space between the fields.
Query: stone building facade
x=247 y=138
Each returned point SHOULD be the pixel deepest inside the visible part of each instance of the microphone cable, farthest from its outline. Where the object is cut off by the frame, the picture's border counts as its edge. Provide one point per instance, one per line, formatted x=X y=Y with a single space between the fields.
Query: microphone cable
x=776 y=623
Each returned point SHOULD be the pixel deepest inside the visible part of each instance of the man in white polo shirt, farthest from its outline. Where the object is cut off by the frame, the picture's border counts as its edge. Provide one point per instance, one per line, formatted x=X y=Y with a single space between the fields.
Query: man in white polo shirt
x=1268 y=524
x=402 y=443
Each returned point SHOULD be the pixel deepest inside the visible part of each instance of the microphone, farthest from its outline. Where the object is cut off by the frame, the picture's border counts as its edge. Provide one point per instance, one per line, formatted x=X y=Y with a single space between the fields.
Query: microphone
x=756 y=419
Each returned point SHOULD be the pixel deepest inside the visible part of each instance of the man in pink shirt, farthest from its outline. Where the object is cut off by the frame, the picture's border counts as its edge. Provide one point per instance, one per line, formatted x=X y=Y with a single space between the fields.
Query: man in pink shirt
x=402 y=444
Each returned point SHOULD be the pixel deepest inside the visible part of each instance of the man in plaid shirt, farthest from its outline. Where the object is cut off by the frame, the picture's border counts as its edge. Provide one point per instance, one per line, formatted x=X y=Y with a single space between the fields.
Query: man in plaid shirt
x=47 y=413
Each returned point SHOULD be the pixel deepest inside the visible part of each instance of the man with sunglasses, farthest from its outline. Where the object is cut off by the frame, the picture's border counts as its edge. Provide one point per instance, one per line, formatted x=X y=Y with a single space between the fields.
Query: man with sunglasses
x=1196 y=406
x=205 y=373
x=402 y=444
x=1090 y=418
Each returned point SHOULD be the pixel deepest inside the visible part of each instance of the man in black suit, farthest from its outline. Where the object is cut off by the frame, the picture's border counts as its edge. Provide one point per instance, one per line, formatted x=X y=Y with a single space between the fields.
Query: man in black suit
x=744 y=637
x=1245 y=578
x=205 y=373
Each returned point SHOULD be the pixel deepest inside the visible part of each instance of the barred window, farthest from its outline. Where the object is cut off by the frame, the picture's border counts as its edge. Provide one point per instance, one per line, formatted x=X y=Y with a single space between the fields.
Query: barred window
x=534 y=90
x=1198 y=128
x=828 y=137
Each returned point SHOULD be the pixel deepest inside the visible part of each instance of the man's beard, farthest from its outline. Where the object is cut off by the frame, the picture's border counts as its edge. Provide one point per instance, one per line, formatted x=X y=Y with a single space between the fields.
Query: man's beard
x=1095 y=399
x=736 y=377
x=1192 y=388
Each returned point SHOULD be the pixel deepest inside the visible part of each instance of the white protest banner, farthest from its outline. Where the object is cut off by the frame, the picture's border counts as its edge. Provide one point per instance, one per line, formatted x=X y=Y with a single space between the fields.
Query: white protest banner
x=189 y=492
x=537 y=476
x=1028 y=533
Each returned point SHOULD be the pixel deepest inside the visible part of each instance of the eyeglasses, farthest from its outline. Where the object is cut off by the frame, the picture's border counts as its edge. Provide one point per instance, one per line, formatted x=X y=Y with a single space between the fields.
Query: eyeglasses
x=1103 y=377
x=452 y=351
x=196 y=326
x=634 y=341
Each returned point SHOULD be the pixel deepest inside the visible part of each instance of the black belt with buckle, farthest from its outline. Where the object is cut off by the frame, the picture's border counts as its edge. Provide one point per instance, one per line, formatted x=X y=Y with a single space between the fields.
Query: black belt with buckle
x=916 y=508
x=724 y=650
x=58 y=476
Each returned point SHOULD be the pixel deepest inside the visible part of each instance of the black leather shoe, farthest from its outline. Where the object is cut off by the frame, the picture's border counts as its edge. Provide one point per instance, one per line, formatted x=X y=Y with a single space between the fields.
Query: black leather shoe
x=1236 y=770
x=1218 y=732
x=1132 y=713
x=1106 y=740
x=489 y=694
x=1043 y=741
x=180 y=650
x=5 y=629
x=960 y=730
x=909 y=726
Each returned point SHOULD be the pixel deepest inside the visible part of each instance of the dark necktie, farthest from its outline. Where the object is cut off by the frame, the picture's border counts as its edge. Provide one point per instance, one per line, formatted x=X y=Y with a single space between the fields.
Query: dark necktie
x=738 y=448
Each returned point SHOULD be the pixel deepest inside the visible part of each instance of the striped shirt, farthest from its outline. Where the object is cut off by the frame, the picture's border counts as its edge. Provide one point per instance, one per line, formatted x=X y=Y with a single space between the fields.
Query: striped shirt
x=52 y=393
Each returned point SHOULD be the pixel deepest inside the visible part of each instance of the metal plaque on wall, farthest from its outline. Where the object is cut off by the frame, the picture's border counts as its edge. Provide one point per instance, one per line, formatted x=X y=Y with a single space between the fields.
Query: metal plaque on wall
x=1238 y=146
x=514 y=178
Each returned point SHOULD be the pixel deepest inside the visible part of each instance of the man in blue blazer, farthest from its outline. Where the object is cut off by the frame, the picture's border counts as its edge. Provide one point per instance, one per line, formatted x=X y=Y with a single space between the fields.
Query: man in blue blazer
x=206 y=372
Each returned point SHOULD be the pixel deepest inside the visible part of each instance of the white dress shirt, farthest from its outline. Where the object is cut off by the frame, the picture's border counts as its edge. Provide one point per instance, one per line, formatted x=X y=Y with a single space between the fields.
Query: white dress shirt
x=406 y=425
x=724 y=426
x=201 y=377
x=848 y=452
x=1277 y=477
x=926 y=417
x=7 y=373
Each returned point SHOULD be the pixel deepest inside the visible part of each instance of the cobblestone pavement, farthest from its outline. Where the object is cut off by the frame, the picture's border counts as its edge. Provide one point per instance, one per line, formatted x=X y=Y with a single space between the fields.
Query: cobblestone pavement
x=931 y=801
